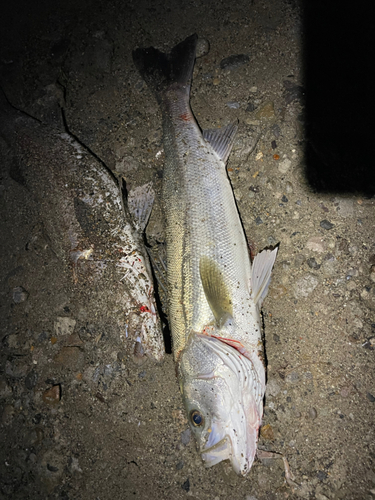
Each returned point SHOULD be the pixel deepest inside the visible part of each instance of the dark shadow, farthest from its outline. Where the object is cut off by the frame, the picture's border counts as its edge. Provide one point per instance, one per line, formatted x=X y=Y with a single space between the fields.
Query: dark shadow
x=339 y=71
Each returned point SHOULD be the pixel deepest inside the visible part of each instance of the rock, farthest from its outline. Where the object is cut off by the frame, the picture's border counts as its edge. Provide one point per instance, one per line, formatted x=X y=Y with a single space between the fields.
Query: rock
x=267 y=432
x=316 y=244
x=52 y=396
x=266 y=111
x=344 y=207
x=370 y=397
x=325 y=224
x=19 y=294
x=31 y=380
x=233 y=62
x=233 y=105
x=312 y=263
x=186 y=485
x=292 y=377
x=203 y=47
x=312 y=413
x=284 y=166
x=273 y=388
x=64 y=326
x=304 y=286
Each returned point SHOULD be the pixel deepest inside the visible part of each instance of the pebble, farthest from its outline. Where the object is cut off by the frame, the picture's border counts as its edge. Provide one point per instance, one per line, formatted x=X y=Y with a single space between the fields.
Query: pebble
x=275 y=129
x=258 y=221
x=312 y=263
x=267 y=432
x=370 y=397
x=19 y=294
x=316 y=244
x=233 y=105
x=235 y=61
x=52 y=396
x=344 y=207
x=312 y=413
x=284 y=166
x=203 y=47
x=64 y=326
x=292 y=377
x=325 y=224
x=266 y=111
x=273 y=388
x=186 y=485
x=31 y=380
x=305 y=285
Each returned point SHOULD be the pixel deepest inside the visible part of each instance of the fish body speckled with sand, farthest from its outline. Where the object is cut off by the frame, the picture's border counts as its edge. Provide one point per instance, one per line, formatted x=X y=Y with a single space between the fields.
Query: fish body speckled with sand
x=214 y=292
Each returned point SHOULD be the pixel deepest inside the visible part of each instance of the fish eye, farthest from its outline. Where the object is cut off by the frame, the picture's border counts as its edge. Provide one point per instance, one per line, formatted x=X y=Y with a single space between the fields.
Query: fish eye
x=197 y=418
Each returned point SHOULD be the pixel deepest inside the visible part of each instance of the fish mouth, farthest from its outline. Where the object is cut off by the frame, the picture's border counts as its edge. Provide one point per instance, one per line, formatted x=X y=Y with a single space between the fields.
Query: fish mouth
x=220 y=451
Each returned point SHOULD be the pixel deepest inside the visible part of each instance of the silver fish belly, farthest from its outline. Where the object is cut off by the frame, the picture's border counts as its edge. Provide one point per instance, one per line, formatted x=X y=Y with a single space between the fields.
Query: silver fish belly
x=214 y=292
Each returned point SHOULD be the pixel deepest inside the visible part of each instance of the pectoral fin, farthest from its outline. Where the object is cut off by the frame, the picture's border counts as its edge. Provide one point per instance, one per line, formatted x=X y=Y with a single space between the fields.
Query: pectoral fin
x=261 y=274
x=216 y=291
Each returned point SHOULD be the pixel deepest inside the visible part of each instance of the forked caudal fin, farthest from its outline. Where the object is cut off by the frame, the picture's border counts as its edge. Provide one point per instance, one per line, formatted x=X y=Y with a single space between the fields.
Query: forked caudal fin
x=160 y=70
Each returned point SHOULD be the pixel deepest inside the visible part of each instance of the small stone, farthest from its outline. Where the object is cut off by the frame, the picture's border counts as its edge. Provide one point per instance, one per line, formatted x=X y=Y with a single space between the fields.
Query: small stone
x=233 y=105
x=253 y=89
x=216 y=81
x=258 y=221
x=235 y=61
x=284 y=199
x=250 y=107
x=370 y=397
x=203 y=47
x=180 y=465
x=19 y=294
x=272 y=388
x=52 y=396
x=284 y=166
x=31 y=380
x=325 y=224
x=185 y=437
x=186 y=485
x=344 y=207
x=304 y=286
x=64 y=326
x=312 y=263
x=267 y=432
x=312 y=413
x=266 y=111
x=292 y=377
x=316 y=244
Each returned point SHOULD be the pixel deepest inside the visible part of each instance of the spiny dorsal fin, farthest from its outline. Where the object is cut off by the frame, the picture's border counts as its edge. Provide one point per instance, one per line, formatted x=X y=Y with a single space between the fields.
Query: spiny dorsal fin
x=221 y=139
x=261 y=274
x=216 y=291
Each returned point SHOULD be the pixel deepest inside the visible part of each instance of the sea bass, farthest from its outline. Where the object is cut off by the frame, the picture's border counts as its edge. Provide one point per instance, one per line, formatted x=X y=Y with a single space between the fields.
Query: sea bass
x=105 y=268
x=214 y=293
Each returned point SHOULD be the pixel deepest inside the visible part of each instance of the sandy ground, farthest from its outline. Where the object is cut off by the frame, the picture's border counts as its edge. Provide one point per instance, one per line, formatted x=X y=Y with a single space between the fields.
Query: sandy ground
x=90 y=423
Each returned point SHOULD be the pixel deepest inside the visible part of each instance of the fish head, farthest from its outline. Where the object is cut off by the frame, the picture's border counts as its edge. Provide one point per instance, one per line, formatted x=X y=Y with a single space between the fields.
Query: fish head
x=223 y=397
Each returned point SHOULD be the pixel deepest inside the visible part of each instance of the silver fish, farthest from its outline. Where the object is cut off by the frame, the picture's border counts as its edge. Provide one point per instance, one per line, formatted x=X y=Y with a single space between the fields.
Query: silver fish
x=215 y=293
x=105 y=266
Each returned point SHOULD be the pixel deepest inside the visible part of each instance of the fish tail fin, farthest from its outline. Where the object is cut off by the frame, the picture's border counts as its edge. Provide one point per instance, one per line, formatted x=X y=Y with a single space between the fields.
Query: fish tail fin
x=160 y=71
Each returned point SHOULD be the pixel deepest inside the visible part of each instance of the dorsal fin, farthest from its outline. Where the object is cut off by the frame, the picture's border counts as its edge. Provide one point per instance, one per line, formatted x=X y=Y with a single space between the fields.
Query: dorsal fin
x=261 y=274
x=221 y=139
x=216 y=291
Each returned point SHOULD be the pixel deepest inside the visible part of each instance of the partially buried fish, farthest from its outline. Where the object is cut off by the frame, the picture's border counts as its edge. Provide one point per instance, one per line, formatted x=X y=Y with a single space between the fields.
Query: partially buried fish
x=105 y=269
x=215 y=294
